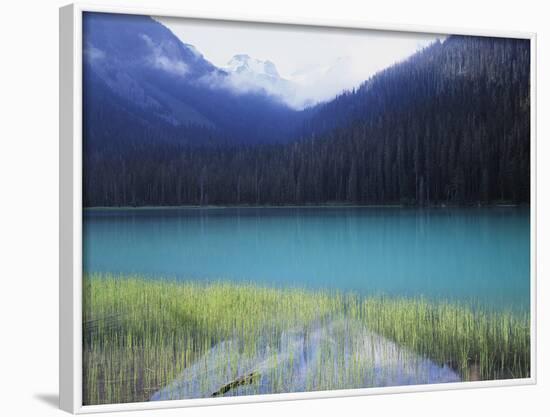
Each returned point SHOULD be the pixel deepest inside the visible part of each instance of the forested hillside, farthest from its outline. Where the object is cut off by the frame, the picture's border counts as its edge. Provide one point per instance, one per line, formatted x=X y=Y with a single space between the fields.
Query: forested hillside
x=449 y=125
x=142 y=85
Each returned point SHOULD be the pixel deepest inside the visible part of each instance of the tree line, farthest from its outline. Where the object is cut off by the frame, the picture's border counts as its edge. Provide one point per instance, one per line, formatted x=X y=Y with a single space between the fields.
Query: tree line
x=450 y=125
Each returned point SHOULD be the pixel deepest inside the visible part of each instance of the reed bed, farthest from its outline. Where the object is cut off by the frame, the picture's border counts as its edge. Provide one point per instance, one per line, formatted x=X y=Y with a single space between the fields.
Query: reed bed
x=140 y=335
x=479 y=344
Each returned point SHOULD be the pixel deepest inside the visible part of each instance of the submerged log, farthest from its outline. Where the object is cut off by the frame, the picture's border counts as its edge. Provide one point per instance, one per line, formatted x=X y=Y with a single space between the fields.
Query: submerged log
x=242 y=380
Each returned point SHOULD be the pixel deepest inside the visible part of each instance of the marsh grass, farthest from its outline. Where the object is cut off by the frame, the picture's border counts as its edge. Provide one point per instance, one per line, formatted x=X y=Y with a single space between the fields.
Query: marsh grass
x=479 y=344
x=139 y=336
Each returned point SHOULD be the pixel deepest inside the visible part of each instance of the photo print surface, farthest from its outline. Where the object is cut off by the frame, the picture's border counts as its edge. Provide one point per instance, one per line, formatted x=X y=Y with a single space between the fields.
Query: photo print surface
x=273 y=208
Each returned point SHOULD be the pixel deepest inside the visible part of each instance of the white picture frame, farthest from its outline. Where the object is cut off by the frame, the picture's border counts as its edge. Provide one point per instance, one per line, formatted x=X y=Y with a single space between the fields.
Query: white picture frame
x=70 y=220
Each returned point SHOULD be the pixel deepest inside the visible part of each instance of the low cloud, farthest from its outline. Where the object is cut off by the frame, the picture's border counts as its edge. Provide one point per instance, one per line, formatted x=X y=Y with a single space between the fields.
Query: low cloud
x=240 y=84
x=160 y=58
x=93 y=54
x=302 y=89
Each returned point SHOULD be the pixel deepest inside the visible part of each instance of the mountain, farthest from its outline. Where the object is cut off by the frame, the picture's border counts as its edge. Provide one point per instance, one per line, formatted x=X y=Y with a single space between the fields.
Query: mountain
x=449 y=125
x=244 y=64
x=300 y=92
x=143 y=85
x=248 y=74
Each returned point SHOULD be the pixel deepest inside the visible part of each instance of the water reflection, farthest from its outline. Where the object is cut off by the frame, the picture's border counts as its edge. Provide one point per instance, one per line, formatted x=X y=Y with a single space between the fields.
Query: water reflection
x=474 y=254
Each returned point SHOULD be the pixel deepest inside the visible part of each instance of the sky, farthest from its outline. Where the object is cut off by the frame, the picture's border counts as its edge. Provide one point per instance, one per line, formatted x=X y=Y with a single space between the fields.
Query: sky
x=320 y=62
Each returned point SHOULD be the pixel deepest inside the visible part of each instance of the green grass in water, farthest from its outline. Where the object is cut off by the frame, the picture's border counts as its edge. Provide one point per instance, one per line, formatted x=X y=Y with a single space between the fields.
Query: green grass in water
x=139 y=334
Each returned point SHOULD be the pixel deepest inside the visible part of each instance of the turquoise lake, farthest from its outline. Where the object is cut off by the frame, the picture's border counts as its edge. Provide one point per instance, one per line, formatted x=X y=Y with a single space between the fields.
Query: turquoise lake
x=479 y=255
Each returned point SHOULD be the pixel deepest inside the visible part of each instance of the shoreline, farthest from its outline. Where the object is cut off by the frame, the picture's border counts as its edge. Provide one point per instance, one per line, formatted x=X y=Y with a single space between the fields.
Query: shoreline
x=306 y=206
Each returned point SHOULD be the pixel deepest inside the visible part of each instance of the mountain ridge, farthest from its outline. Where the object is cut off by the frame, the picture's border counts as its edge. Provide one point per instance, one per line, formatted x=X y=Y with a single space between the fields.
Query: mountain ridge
x=170 y=85
x=449 y=125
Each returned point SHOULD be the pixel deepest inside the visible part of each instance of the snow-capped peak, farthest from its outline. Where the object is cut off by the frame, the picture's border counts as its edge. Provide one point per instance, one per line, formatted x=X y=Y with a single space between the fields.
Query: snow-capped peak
x=243 y=63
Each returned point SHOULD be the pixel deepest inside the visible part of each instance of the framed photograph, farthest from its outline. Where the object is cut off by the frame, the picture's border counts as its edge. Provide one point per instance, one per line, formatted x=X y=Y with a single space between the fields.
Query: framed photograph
x=259 y=210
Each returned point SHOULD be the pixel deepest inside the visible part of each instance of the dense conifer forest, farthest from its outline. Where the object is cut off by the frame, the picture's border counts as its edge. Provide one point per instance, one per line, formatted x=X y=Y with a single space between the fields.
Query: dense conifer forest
x=450 y=125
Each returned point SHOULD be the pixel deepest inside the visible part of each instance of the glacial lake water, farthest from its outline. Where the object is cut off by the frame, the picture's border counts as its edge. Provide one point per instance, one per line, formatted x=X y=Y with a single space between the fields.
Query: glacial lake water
x=479 y=255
